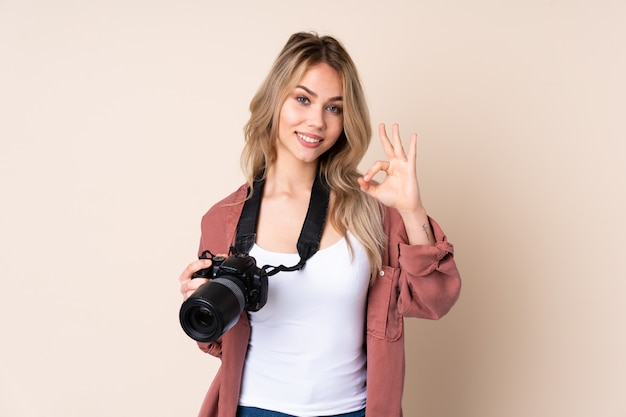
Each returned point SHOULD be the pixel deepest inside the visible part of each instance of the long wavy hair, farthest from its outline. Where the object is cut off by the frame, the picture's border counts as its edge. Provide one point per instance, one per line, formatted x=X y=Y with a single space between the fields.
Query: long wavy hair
x=353 y=210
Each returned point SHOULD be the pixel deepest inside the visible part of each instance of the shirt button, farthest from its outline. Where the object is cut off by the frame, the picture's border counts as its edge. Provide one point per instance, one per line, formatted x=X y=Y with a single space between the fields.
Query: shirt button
x=382 y=273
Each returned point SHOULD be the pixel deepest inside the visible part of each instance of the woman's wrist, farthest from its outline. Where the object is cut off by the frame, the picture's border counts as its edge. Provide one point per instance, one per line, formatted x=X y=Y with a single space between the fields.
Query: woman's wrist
x=418 y=228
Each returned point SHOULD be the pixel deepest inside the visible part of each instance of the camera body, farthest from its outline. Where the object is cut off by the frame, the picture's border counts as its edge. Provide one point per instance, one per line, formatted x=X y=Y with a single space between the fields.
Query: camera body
x=235 y=284
x=243 y=270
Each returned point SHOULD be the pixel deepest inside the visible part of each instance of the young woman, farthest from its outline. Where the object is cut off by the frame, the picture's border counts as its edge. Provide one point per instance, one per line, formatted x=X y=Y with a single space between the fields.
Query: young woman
x=330 y=340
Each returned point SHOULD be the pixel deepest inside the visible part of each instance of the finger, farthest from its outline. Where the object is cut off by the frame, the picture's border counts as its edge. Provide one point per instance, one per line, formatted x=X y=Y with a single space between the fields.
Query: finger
x=192 y=268
x=397 y=142
x=368 y=187
x=384 y=139
x=195 y=283
x=364 y=185
x=376 y=167
x=204 y=346
x=189 y=287
x=412 y=157
x=187 y=294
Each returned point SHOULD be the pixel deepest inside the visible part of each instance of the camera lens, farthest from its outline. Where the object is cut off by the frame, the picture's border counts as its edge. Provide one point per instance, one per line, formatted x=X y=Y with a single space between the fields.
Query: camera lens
x=212 y=309
x=203 y=319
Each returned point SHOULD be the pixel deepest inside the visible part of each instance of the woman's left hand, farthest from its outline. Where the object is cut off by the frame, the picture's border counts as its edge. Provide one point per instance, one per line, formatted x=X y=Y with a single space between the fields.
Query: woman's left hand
x=399 y=189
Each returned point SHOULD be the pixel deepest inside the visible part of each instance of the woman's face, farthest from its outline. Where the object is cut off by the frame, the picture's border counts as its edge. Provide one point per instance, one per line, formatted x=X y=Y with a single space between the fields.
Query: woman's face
x=311 y=118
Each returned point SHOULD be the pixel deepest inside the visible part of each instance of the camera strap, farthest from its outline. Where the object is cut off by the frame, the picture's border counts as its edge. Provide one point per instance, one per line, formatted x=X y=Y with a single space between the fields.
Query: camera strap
x=310 y=236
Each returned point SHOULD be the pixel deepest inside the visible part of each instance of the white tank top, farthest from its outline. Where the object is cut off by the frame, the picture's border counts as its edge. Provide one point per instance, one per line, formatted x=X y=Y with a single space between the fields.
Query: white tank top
x=306 y=355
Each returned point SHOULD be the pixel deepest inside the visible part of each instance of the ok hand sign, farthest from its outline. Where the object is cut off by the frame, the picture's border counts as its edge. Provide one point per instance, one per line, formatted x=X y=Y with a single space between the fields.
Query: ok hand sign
x=399 y=189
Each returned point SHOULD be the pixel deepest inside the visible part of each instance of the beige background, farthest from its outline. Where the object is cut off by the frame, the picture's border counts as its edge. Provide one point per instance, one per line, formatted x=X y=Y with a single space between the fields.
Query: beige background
x=121 y=123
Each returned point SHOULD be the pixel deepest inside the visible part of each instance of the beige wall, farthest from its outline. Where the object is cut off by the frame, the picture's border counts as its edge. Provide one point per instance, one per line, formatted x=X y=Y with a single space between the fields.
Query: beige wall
x=120 y=123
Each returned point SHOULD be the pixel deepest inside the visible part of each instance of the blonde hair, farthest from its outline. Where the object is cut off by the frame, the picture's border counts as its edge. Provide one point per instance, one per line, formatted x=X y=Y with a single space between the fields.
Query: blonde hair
x=353 y=210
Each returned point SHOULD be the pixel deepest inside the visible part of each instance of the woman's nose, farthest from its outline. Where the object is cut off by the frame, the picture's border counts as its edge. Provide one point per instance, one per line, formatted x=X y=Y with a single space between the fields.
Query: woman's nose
x=316 y=118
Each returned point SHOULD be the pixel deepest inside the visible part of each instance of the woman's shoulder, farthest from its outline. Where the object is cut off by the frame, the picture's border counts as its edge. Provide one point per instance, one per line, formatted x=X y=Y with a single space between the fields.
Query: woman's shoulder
x=230 y=202
x=220 y=221
x=237 y=196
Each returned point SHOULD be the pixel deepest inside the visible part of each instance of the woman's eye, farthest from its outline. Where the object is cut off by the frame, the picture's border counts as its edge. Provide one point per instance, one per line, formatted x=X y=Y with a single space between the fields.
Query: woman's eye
x=302 y=99
x=334 y=109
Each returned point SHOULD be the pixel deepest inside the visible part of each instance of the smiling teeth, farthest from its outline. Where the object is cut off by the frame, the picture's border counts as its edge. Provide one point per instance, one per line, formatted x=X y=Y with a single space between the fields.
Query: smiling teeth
x=308 y=139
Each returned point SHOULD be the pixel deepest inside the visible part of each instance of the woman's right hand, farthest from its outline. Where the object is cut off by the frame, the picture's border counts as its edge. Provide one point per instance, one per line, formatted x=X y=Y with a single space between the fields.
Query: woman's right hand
x=189 y=285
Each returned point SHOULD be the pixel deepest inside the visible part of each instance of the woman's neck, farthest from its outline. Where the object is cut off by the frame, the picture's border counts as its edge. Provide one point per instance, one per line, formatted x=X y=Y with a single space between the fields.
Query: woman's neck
x=290 y=180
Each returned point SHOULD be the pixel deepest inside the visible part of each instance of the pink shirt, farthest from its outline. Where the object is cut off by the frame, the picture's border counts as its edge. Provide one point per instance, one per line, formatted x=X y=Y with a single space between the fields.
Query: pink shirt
x=415 y=281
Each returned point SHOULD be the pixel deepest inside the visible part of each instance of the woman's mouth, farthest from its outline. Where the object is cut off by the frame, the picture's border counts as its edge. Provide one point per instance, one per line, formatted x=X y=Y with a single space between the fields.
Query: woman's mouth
x=309 y=139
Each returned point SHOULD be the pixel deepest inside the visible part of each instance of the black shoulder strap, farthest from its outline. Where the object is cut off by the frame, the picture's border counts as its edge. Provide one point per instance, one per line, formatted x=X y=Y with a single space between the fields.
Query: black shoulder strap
x=312 y=229
x=246 y=228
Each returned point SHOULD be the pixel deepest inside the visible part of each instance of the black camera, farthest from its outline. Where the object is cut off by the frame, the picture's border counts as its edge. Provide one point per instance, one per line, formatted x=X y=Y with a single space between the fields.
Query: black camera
x=236 y=283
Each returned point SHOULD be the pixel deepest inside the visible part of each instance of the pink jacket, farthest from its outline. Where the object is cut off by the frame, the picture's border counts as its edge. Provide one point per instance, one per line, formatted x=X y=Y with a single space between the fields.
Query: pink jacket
x=415 y=281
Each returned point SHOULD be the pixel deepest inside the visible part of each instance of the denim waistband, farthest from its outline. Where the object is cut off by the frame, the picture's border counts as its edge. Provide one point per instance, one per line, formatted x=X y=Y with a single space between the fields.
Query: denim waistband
x=259 y=412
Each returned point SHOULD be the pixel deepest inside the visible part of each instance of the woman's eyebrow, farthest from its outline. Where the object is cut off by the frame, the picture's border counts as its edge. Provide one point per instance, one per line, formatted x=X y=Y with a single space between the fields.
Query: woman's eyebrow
x=338 y=98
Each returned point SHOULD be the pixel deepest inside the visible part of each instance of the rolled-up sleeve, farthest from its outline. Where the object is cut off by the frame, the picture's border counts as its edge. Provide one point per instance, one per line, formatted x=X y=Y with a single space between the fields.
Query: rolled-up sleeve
x=430 y=282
